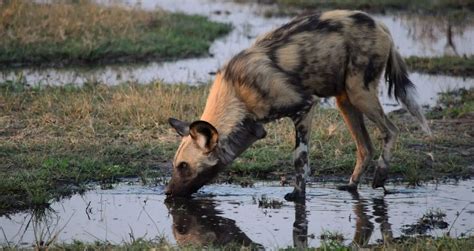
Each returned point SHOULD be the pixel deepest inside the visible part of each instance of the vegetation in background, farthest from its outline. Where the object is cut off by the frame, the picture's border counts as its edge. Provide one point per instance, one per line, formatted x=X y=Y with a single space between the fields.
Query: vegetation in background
x=449 y=65
x=457 y=104
x=81 y=32
x=54 y=140
x=380 y=5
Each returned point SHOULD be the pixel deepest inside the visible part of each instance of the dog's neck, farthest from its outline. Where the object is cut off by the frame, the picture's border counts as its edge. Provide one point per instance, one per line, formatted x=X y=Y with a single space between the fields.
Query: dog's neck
x=243 y=135
x=224 y=110
x=229 y=115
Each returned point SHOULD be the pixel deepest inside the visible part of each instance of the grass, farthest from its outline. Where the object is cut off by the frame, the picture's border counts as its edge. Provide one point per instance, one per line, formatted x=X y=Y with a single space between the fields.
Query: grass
x=381 y=5
x=418 y=244
x=449 y=65
x=81 y=32
x=55 y=140
x=454 y=104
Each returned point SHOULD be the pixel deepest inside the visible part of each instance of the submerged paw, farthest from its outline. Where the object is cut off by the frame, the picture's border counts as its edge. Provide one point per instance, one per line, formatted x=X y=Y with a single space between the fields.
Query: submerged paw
x=348 y=187
x=380 y=176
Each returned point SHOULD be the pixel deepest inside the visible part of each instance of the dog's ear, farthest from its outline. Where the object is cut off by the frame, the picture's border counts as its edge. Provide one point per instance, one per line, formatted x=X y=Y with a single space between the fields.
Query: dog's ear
x=181 y=127
x=204 y=134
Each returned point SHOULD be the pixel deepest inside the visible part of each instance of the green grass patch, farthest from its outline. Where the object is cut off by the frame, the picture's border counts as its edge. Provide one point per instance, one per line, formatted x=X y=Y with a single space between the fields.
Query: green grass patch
x=81 y=32
x=449 y=65
x=55 y=140
x=454 y=105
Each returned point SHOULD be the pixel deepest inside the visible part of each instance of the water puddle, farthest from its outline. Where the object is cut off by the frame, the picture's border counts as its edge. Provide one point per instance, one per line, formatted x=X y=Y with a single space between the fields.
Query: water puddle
x=221 y=214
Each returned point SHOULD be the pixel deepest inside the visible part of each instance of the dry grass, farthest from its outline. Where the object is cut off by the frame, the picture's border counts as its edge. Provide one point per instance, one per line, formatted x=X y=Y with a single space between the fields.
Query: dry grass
x=137 y=115
x=91 y=112
x=28 y=23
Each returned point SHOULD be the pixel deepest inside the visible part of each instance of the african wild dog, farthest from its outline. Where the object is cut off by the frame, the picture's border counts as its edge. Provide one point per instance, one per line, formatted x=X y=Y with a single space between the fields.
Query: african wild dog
x=337 y=53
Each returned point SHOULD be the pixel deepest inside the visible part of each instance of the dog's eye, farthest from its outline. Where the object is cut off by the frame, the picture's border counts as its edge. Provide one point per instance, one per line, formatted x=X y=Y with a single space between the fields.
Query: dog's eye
x=182 y=166
x=183 y=169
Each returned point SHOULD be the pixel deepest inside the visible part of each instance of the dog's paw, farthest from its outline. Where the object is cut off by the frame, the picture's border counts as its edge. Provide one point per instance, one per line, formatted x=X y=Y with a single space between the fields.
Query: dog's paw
x=352 y=187
x=380 y=176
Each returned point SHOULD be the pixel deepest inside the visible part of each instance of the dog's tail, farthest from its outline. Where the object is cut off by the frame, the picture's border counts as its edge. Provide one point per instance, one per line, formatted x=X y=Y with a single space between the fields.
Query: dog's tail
x=396 y=75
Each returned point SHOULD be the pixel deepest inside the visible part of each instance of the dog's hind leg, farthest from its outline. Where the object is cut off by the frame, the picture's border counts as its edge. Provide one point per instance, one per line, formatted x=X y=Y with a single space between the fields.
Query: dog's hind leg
x=365 y=99
x=301 y=155
x=355 y=121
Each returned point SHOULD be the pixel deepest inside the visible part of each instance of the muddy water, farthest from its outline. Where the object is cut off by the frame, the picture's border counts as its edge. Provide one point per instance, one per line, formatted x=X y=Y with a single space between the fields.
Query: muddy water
x=224 y=213
x=413 y=35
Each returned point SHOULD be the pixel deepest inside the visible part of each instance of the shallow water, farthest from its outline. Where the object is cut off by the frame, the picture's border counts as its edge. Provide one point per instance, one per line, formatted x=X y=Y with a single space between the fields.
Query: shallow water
x=224 y=213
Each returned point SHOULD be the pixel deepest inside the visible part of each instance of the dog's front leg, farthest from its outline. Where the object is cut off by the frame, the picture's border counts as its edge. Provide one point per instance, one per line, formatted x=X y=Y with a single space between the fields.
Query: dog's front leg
x=301 y=154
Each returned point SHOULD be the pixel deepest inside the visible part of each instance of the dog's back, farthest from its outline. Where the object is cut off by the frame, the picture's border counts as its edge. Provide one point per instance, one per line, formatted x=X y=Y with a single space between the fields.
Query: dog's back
x=312 y=54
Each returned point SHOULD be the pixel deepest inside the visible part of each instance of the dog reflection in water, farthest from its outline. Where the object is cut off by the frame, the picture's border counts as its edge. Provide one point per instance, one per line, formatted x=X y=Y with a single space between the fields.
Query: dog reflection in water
x=364 y=226
x=197 y=222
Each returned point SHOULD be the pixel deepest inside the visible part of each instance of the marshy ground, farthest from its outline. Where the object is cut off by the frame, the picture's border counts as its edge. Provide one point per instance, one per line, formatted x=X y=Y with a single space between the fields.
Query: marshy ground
x=85 y=33
x=59 y=139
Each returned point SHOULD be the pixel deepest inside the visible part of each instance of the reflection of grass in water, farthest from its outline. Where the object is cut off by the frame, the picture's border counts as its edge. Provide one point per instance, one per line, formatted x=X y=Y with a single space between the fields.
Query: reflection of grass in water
x=84 y=32
x=45 y=224
x=54 y=140
x=433 y=219
x=46 y=227
x=265 y=202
